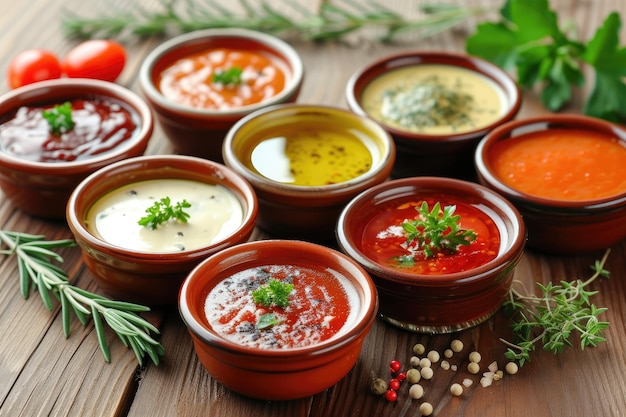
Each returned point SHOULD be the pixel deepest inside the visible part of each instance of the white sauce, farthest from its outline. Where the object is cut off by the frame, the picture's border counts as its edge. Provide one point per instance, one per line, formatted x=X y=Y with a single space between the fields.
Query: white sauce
x=215 y=213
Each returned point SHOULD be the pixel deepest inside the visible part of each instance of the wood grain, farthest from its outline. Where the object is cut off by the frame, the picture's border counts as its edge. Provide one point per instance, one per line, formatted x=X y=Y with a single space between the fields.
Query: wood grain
x=44 y=374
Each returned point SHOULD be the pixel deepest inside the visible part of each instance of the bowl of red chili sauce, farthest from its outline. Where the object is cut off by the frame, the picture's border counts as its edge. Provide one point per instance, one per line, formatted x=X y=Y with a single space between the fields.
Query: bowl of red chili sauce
x=55 y=133
x=278 y=319
x=201 y=83
x=436 y=105
x=441 y=251
x=566 y=174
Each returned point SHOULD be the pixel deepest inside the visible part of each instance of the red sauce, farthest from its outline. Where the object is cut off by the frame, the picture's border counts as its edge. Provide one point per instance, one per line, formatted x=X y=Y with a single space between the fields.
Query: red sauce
x=564 y=164
x=318 y=308
x=189 y=80
x=384 y=240
x=99 y=126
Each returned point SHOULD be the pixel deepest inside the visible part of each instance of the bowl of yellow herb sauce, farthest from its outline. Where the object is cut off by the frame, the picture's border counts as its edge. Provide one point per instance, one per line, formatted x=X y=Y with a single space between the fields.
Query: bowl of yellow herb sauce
x=436 y=106
x=305 y=162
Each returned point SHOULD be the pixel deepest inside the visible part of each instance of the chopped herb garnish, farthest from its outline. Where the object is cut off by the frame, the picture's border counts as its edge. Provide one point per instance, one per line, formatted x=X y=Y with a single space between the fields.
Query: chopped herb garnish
x=162 y=211
x=429 y=103
x=275 y=292
x=267 y=320
x=231 y=76
x=59 y=118
x=437 y=230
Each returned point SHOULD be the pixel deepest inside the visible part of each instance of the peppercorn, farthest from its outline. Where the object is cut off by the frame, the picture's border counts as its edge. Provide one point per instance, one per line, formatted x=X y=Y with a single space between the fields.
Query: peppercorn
x=394 y=384
x=391 y=395
x=456 y=389
x=473 y=368
x=416 y=391
x=511 y=368
x=378 y=386
x=433 y=356
x=426 y=409
x=427 y=373
x=456 y=345
x=413 y=376
x=475 y=357
x=419 y=349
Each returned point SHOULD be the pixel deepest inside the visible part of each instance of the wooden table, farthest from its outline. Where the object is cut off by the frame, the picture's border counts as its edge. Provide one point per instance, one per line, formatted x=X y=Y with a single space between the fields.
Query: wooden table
x=44 y=374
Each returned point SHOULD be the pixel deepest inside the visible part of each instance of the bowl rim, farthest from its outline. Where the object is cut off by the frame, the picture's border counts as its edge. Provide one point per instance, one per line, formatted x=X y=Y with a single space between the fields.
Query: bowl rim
x=282 y=48
x=497 y=75
x=366 y=315
x=394 y=188
x=486 y=174
x=36 y=92
x=77 y=226
x=385 y=164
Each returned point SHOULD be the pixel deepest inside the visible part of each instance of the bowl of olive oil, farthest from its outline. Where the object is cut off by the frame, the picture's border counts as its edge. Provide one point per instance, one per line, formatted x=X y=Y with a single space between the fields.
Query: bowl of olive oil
x=305 y=163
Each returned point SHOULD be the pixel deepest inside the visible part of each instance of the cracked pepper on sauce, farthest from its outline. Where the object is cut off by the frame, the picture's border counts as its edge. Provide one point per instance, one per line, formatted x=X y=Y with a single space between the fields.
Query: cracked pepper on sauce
x=100 y=126
x=319 y=306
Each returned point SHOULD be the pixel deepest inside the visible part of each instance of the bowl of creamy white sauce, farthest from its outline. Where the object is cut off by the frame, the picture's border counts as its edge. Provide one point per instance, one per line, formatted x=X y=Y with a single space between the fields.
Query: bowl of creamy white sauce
x=114 y=216
x=436 y=106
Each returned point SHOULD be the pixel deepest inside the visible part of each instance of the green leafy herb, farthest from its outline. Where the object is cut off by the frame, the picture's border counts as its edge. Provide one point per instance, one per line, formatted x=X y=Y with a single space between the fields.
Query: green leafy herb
x=529 y=38
x=162 y=211
x=267 y=320
x=436 y=230
x=35 y=257
x=330 y=21
x=59 y=118
x=552 y=317
x=231 y=76
x=274 y=292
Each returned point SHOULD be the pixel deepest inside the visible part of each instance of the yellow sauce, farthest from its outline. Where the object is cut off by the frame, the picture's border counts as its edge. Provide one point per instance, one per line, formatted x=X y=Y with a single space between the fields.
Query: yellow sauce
x=215 y=213
x=434 y=99
x=308 y=155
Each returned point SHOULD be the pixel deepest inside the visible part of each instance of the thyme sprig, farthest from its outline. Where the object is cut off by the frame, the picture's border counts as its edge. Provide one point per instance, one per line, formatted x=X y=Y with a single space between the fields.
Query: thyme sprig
x=552 y=317
x=437 y=229
x=36 y=257
x=329 y=22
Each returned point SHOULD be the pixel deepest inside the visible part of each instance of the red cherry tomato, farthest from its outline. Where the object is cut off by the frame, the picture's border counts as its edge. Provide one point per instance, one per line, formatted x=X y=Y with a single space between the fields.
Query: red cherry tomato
x=31 y=66
x=98 y=58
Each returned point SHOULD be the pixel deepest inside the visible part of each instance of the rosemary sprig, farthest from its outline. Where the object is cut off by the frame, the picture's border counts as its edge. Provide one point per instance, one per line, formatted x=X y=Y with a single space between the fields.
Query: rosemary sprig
x=35 y=258
x=552 y=317
x=329 y=22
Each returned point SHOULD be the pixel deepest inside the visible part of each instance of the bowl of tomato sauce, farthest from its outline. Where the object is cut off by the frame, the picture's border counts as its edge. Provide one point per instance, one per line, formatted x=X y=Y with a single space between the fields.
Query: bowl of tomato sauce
x=436 y=105
x=305 y=163
x=55 y=133
x=278 y=319
x=566 y=174
x=201 y=83
x=441 y=251
x=143 y=223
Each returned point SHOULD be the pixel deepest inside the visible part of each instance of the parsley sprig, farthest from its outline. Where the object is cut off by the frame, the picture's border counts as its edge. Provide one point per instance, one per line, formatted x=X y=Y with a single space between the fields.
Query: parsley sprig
x=552 y=317
x=59 y=118
x=529 y=38
x=162 y=211
x=437 y=230
x=231 y=76
x=275 y=292
x=37 y=268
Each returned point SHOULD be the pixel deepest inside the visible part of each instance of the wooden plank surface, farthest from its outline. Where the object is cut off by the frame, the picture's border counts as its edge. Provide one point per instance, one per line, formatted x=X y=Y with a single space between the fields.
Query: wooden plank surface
x=44 y=374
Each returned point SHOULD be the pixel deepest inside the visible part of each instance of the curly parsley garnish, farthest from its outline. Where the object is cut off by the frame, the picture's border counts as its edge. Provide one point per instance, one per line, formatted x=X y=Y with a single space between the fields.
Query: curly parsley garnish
x=437 y=230
x=276 y=293
x=59 y=118
x=162 y=211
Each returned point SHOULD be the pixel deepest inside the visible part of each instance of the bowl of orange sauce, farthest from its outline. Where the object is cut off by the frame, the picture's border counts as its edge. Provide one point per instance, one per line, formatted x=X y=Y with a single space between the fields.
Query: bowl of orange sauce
x=278 y=319
x=567 y=176
x=425 y=289
x=200 y=83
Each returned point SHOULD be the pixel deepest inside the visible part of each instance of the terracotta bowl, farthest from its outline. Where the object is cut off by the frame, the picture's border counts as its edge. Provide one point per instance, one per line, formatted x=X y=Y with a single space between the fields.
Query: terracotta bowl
x=142 y=275
x=447 y=150
x=277 y=371
x=41 y=183
x=307 y=205
x=562 y=208
x=198 y=130
x=417 y=299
